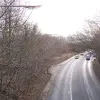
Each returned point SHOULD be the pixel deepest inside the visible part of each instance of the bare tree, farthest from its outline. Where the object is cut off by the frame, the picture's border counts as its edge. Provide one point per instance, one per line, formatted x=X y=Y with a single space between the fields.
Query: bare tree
x=25 y=55
x=89 y=38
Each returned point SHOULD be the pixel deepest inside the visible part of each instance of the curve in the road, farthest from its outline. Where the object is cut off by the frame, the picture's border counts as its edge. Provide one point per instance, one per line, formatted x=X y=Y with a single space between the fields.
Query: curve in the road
x=76 y=81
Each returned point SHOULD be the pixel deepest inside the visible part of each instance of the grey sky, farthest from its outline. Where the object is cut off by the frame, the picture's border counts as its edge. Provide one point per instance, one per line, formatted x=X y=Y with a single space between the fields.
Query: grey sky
x=62 y=17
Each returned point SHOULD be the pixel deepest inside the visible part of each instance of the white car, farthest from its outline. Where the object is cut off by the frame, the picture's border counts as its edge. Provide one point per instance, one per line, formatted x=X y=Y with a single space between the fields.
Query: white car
x=77 y=56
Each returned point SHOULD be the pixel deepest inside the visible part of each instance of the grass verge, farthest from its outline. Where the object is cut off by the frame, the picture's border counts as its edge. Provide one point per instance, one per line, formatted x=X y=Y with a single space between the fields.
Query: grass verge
x=96 y=68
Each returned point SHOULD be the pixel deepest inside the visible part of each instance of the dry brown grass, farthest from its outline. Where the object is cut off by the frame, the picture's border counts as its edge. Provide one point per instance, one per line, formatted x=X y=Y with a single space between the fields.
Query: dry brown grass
x=63 y=57
x=96 y=68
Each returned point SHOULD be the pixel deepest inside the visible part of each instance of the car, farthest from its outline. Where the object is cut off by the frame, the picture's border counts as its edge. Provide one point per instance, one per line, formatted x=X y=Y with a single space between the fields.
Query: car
x=94 y=56
x=81 y=54
x=77 y=56
x=88 y=57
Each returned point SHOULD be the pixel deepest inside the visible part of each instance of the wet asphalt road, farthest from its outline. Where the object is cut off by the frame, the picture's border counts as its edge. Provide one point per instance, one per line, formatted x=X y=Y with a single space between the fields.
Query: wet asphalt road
x=76 y=81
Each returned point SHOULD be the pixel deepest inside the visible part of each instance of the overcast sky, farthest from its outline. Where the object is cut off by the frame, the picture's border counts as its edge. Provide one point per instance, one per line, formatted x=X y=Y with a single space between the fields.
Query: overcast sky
x=62 y=17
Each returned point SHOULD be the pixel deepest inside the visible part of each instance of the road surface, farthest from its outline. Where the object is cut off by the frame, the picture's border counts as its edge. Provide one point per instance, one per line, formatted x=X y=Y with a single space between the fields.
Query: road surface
x=75 y=81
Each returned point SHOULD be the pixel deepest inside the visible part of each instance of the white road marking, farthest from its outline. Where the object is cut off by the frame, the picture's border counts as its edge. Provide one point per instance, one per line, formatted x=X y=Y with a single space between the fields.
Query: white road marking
x=90 y=68
x=71 y=97
x=58 y=82
x=86 y=81
x=67 y=81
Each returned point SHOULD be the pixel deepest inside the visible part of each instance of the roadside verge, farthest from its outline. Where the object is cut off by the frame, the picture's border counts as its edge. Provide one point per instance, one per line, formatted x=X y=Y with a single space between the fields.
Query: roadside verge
x=54 y=70
x=96 y=69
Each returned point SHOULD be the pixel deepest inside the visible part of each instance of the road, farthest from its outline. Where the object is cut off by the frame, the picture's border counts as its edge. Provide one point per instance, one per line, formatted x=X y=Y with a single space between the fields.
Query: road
x=75 y=81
